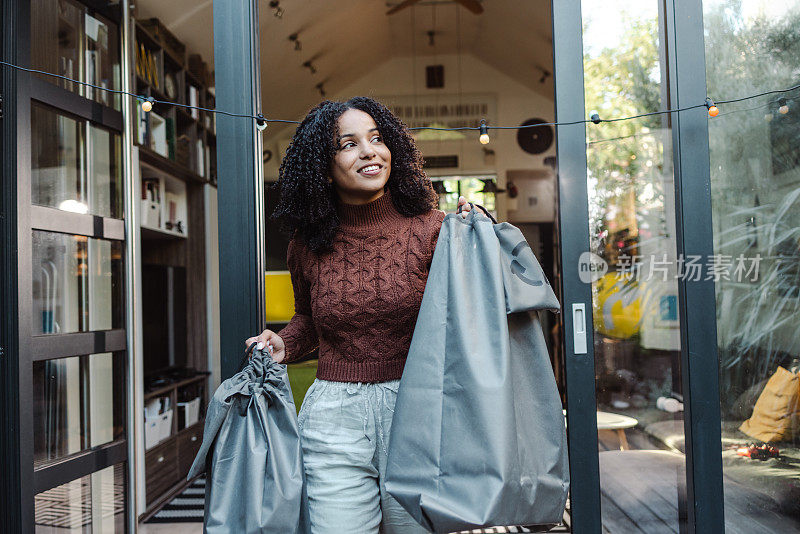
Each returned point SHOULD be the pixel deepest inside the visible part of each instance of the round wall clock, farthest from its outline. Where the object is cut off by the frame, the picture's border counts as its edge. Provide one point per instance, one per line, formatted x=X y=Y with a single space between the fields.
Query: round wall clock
x=535 y=140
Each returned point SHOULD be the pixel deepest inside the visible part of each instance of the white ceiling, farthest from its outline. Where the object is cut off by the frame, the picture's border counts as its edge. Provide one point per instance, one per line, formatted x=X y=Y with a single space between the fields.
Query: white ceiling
x=346 y=39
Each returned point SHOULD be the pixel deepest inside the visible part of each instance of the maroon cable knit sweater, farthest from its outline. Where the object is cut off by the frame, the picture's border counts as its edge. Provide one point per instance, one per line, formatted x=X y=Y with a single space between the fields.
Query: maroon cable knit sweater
x=359 y=302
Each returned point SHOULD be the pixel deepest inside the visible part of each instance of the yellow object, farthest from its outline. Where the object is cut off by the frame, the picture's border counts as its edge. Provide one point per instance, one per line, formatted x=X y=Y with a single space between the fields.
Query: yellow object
x=776 y=415
x=279 y=296
x=617 y=309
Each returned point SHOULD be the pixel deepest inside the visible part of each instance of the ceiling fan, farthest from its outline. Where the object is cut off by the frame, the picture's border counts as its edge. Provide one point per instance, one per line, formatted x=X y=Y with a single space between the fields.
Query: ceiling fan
x=472 y=5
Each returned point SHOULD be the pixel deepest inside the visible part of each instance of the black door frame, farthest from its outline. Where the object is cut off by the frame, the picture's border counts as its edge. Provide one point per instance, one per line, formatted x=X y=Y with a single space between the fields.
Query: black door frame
x=683 y=22
x=11 y=483
x=240 y=183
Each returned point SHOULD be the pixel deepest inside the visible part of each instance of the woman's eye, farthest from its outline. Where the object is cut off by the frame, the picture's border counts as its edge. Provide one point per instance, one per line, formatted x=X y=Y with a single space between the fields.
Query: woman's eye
x=348 y=145
x=378 y=138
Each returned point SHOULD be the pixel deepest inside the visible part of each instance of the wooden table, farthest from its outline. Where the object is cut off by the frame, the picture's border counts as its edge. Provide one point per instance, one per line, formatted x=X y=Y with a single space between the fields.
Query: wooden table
x=615 y=422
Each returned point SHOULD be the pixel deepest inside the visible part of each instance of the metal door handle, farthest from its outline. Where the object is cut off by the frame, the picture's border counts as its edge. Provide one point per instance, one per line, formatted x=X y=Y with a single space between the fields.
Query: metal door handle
x=579 y=327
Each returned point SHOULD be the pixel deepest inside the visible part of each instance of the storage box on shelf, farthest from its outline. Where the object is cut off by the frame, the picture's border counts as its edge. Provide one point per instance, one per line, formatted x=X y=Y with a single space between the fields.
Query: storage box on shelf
x=163 y=203
x=172 y=441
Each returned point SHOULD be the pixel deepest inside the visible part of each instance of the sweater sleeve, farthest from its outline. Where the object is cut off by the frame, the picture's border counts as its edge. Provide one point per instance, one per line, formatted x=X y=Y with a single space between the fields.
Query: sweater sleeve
x=436 y=227
x=300 y=335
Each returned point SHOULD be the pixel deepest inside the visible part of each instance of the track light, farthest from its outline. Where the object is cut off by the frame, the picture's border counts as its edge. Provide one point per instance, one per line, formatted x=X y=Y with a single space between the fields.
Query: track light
x=309 y=66
x=276 y=5
x=296 y=40
x=320 y=89
x=783 y=108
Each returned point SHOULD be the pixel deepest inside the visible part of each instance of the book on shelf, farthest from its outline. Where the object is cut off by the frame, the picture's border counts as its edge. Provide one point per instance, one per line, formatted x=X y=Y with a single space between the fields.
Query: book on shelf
x=194 y=100
x=201 y=154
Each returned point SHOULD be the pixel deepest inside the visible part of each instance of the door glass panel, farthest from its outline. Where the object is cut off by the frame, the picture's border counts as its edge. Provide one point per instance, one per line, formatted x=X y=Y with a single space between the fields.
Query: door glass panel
x=56 y=41
x=77 y=404
x=753 y=46
x=71 y=172
x=634 y=280
x=77 y=283
x=93 y=503
x=68 y=41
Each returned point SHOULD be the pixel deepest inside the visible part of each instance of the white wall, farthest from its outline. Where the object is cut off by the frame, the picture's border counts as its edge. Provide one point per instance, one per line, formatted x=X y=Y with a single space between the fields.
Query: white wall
x=515 y=104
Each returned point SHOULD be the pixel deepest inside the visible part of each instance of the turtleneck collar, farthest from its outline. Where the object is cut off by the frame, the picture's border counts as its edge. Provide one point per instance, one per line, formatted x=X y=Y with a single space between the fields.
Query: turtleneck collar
x=379 y=212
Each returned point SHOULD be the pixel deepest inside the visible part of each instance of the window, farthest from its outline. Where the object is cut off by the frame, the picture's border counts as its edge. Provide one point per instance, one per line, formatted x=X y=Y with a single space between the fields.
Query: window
x=78 y=404
x=75 y=165
x=67 y=39
x=77 y=283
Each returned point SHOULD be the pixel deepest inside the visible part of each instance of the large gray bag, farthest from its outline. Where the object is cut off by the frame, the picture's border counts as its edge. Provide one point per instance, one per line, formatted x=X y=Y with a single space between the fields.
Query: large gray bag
x=251 y=453
x=478 y=436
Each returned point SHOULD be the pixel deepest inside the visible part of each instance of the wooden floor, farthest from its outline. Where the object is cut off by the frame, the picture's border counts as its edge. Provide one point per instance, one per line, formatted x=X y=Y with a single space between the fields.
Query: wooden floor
x=639 y=495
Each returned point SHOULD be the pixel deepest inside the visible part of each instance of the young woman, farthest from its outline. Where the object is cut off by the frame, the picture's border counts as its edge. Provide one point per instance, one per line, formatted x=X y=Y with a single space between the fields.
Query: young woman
x=364 y=223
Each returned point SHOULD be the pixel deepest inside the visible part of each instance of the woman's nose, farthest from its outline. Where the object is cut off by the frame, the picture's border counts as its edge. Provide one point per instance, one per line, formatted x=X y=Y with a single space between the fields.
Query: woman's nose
x=367 y=152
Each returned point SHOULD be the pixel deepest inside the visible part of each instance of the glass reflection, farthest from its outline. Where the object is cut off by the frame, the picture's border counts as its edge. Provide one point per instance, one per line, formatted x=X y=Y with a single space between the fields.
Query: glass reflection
x=476 y=189
x=74 y=166
x=634 y=295
x=77 y=404
x=68 y=41
x=77 y=283
x=93 y=503
x=754 y=46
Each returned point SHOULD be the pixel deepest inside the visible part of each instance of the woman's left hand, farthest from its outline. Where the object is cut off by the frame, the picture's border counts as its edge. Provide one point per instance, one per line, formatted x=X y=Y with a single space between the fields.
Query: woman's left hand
x=465 y=209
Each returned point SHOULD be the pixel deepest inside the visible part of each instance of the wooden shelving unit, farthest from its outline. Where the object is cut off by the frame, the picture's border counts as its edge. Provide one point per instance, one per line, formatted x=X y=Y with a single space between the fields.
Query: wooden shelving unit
x=177 y=156
x=188 y=138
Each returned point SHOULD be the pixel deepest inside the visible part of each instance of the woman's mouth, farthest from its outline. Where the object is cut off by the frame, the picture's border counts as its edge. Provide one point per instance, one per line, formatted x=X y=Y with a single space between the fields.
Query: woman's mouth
x=370 y=170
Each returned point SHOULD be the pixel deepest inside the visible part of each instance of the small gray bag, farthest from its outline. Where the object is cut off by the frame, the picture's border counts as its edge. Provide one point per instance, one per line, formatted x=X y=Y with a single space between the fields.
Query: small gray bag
x=478 y=436
x=251 y=453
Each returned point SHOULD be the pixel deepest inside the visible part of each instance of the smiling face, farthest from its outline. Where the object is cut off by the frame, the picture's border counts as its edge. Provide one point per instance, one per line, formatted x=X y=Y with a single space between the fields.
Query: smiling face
x=362 y=162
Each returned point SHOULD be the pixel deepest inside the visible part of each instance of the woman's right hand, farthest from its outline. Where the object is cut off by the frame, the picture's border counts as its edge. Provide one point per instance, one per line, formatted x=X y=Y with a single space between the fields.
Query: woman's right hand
x=268 y=337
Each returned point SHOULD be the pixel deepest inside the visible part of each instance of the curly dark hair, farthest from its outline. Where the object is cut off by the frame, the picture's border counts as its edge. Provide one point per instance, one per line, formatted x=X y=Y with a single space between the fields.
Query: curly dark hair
x=307 y=204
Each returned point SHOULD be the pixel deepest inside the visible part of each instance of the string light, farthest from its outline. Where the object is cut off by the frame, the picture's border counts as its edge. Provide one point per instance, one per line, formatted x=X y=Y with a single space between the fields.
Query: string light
x=713 y=110
x=484 y=138
x=147 y=103
x=261 y=122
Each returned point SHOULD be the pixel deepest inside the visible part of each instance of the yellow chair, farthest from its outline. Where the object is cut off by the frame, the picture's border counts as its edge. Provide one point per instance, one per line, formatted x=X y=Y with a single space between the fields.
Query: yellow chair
x=278 y=296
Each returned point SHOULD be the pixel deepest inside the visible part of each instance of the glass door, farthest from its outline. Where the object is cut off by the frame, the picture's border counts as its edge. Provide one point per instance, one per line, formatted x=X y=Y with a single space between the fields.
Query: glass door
x=633 y=270
x=631 y=280
x=71 y=295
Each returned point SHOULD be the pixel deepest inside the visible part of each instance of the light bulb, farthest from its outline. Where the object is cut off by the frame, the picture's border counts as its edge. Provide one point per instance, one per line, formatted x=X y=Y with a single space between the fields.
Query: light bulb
x=784 y=106
x=484 y=138
x=261 y=122
x=713 y=110
x=147 y=105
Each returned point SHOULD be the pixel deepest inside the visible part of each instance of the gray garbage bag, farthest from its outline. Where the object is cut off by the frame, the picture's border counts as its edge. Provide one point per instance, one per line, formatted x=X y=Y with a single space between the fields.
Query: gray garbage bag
x=251 y=453
x=478 y=436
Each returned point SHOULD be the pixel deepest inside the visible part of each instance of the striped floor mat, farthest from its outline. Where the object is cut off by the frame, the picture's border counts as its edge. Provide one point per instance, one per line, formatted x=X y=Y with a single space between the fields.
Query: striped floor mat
x=185 y=507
